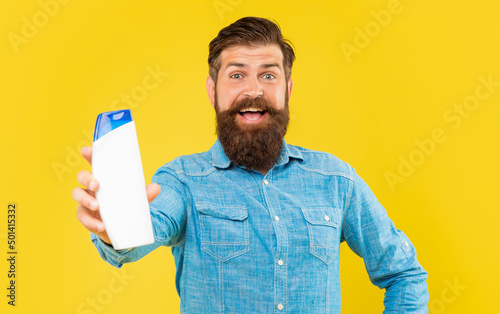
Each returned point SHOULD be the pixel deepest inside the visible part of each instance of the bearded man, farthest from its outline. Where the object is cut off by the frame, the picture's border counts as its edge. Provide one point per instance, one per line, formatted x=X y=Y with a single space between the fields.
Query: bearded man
x=255 y=224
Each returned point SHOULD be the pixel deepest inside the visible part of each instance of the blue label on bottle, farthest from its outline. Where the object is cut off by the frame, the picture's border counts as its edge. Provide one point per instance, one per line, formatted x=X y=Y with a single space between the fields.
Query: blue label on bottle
x=108 y=121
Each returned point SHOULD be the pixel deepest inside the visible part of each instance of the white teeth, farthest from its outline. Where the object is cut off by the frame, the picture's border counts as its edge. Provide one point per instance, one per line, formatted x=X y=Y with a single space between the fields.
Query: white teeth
x=251 y=110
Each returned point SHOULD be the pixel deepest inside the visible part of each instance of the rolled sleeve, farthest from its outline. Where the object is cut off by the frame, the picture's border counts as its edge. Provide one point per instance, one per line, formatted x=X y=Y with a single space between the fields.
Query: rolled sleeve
x=108 y=253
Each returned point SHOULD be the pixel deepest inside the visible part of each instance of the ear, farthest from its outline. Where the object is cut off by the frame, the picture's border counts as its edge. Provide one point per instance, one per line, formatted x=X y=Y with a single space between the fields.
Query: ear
x=290 y=87
x=211 y=91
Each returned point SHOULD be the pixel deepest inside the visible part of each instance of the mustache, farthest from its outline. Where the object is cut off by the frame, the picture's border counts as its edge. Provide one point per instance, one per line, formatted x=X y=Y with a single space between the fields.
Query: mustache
x=258 y=103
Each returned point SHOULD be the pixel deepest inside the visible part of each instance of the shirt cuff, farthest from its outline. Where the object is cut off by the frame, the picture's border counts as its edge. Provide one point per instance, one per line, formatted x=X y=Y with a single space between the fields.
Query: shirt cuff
x=108 y=253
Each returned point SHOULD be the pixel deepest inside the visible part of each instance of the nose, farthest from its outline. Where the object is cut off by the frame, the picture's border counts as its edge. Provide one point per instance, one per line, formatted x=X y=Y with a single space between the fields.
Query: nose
x=253 y=88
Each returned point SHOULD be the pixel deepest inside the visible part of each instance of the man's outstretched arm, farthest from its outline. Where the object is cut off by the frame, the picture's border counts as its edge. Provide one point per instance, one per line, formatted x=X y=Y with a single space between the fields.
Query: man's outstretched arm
x=167 y=214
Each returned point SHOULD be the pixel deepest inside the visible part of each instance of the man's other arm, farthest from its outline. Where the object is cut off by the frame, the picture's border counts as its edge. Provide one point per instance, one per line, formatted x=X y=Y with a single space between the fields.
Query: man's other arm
x=389 y=256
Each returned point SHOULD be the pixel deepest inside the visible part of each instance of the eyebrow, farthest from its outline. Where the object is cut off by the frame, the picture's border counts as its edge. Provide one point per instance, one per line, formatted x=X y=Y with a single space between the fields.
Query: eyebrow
x=243 y=65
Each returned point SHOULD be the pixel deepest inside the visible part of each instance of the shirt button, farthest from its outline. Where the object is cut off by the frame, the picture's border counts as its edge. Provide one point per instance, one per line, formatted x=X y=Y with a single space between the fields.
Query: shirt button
x=276 y=218
x=327 y=218
x=280 y=306
x=406 y=244
x=280 y=262
x=266 y=182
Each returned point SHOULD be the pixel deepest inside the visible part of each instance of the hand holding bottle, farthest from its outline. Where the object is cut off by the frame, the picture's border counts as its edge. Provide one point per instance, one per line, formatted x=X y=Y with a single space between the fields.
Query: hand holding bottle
x=87 y=210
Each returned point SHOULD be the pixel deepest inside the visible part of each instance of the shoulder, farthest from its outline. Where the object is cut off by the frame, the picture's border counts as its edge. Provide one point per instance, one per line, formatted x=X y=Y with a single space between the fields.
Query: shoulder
x=198 y=164
x=322 y=162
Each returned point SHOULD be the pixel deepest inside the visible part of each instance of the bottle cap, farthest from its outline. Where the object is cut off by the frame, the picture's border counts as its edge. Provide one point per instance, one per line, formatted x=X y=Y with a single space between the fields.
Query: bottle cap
x=108 y=121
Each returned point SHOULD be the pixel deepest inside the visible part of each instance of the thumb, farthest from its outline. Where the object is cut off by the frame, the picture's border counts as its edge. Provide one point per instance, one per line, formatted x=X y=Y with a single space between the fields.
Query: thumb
x=152 y=190
x=86 y=152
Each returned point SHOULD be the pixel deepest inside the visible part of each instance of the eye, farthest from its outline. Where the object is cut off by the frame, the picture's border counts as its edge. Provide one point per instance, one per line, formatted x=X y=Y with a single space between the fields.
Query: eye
x=236 y=76
x=268 y=76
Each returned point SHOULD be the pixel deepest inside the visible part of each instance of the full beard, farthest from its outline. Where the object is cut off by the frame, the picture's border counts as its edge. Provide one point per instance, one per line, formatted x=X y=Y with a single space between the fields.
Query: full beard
x=253 y=146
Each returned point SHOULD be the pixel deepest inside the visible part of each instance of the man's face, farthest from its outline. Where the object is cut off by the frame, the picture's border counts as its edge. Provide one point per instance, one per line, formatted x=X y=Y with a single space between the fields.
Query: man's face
x=251 y=102
x=249 y=72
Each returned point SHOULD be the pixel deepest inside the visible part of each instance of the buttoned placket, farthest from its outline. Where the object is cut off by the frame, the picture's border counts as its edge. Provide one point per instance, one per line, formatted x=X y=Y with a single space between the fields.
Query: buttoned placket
x=280 y=273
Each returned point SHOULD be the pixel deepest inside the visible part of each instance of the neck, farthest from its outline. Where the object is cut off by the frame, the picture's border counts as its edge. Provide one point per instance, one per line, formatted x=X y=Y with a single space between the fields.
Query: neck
x=262 y=170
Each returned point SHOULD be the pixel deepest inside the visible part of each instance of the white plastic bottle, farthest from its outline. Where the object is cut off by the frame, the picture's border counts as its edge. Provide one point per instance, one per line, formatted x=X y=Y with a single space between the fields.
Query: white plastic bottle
x=117 y=166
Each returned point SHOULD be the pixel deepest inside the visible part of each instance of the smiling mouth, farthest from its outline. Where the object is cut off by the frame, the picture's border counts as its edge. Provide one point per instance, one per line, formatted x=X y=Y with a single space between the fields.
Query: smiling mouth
x=252 y=114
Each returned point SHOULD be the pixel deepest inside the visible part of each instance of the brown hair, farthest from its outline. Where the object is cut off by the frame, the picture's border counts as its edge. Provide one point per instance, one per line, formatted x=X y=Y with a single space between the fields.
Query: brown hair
x=249 y=31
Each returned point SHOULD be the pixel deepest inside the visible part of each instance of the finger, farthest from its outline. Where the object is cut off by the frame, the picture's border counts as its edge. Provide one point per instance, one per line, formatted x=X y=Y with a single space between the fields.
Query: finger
x=152 y=190
x=86 y=218
x=86 y=152
x=87 y=180
x=85 y=199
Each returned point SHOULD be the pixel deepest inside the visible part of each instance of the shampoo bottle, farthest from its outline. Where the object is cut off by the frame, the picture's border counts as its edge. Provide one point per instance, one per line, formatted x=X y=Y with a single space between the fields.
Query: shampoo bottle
x=116 y=164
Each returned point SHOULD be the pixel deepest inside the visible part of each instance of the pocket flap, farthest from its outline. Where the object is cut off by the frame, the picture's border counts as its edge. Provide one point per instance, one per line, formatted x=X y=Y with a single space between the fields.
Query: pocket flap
x=224 y=212
x=323 y=216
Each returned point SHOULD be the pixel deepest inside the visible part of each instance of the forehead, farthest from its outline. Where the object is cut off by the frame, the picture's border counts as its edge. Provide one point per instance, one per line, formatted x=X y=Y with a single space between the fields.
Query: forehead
x=254 y=54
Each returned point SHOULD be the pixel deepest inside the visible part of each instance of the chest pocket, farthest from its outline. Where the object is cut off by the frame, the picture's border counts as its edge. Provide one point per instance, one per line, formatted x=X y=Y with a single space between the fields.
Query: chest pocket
x=224 y=231
x=323 y=226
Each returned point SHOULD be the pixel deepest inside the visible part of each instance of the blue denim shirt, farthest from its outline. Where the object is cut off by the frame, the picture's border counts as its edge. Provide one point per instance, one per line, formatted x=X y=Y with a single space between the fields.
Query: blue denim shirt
x=248 y=243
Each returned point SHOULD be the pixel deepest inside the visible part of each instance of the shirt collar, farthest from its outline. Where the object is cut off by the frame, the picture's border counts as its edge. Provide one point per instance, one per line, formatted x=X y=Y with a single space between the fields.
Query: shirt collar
x=220 y=160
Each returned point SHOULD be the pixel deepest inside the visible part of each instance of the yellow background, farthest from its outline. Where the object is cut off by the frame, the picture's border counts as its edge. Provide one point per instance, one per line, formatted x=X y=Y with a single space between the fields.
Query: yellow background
x=367 y=108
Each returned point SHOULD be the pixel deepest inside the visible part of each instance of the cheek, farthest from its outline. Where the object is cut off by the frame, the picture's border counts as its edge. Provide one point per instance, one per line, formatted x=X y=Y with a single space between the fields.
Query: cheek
x=226 y=97
x=277 y=95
